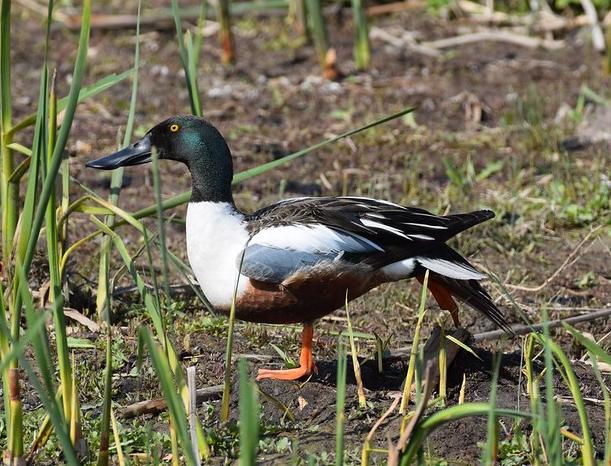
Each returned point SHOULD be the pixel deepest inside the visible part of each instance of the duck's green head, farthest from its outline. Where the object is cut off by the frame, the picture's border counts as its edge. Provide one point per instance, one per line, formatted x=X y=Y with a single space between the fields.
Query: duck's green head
x=187 y=139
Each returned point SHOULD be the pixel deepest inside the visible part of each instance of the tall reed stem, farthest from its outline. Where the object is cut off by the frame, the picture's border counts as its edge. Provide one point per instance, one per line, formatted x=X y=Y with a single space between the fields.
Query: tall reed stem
x=116 y=182
x=9 y=190
x=608 y=57
x=225 y=34
x=55 y=290
x=298 y=15
x=340 y=403
x=318 y=29
x=15 y=434
x=362 y=51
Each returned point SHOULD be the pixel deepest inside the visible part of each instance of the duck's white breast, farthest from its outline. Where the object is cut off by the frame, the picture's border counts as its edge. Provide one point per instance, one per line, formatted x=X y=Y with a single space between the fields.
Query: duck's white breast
x=216 y=237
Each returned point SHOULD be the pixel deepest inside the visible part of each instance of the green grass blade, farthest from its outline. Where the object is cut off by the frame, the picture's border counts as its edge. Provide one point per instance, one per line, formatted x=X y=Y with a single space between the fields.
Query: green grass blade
x=9 y=191
x=22 y=150
x=491 y=449
x=121 y=459
x=116 y=180
x=55 y=288
x=355 y=360
x=102 y=207
x=362 y=49
x=192 y=61
x=161 y=225
x=593 y=348
x=38 y=155
x=242 y=176
x=187 y=57
x=149 y=303
x=453 y=413
x=14 y=416
x=103 y=450
x=106 y=208
x=5 y=65
x=62 y=136
x=19 y=172
x=53 y=409
x=340 y=404
x=532 y=390
x=587 y=448
x=29 y=335
x=443 y=366
x=249 y=418
x=46 y=369
x=199 y=35
x=552 y=420
x=84 y=94
x=464 y=346
x=607 y=403
x=178 y=415
x=318 y=29
x=229 y=347
x=411 y=369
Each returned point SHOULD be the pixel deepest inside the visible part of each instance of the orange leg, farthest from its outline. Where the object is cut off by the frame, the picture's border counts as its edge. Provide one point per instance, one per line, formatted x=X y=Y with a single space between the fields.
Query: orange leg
x=306 y=361
x=443 y=297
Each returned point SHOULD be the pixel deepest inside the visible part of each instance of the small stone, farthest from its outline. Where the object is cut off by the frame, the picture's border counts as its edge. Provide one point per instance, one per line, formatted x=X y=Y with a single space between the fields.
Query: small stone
x=82 y=147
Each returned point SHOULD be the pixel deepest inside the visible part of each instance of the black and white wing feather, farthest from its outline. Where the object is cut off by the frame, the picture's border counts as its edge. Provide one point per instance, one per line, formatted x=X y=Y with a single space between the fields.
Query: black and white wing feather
x=303 y=232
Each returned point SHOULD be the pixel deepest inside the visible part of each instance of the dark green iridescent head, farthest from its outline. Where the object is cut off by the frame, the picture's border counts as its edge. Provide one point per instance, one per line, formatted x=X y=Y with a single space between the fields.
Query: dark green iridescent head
x=187 y=139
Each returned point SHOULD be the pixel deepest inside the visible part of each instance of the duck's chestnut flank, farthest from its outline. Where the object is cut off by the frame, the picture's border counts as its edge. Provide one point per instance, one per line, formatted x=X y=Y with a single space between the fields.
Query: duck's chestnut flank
x=298 y=259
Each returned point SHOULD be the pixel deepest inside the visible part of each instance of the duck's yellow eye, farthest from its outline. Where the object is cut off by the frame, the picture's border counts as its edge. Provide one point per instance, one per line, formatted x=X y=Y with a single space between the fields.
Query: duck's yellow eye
x=174 y=127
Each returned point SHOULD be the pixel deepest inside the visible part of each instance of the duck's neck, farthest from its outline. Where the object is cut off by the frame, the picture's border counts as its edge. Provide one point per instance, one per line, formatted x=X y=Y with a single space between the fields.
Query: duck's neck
x=211 y=182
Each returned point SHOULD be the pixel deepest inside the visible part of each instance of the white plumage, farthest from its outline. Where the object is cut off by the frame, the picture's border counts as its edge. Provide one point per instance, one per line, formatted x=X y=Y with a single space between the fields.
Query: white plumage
x=382 y=226
x=422 y=237
x=399 y=270
x=451 y=269
x=424 y=225
x=404 y=269
x=216 y=237
x=313 y=238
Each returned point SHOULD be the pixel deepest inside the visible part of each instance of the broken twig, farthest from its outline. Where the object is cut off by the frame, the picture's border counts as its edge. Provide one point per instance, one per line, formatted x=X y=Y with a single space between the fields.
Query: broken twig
x=522 y=329
x=404 y=42
x=495 y=35
x=158 y=405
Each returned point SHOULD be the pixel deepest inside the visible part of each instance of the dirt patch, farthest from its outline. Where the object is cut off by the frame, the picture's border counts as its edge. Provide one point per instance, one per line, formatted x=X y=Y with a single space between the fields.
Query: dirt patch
x=313 y=406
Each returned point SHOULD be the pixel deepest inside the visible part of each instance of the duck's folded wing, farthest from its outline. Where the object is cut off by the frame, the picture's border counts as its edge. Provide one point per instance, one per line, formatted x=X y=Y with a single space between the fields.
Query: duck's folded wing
x=364 y=230
x=382 y=222
x=276 y=253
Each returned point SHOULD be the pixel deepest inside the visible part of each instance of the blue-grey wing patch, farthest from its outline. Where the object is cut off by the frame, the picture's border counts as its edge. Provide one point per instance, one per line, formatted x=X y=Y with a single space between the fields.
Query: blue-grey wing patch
x=274 y=265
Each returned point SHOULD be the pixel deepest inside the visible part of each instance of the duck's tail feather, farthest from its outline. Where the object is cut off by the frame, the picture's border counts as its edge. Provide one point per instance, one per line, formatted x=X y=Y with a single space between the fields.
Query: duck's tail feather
x=472 y=293
x=452 y=273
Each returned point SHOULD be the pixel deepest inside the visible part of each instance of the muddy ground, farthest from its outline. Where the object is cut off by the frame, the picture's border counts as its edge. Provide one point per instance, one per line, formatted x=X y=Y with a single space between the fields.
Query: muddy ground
x=273 y=102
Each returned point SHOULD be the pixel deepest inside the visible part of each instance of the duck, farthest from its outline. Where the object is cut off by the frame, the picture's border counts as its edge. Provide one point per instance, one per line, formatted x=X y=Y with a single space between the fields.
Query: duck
x=299 y=259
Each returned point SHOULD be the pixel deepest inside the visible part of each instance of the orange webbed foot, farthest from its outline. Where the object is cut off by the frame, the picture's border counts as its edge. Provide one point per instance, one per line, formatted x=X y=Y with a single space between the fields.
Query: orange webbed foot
x=306 y=361
x=285 y=374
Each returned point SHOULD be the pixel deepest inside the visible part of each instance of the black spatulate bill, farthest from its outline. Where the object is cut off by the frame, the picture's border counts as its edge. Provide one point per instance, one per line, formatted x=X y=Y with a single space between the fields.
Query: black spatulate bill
x=136 y=154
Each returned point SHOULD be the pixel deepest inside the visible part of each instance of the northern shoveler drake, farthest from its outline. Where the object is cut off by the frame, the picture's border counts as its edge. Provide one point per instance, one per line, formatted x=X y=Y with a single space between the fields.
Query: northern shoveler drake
x=297 y=259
